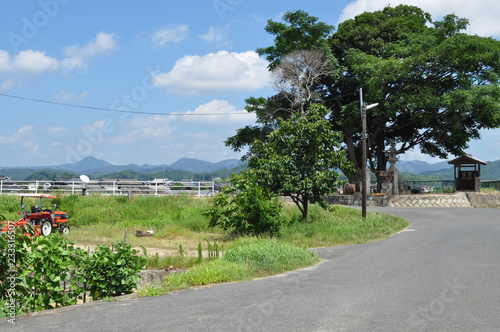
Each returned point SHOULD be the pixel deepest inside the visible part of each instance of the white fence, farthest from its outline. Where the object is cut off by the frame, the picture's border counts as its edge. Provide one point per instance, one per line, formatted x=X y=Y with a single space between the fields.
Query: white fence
x=116 y=187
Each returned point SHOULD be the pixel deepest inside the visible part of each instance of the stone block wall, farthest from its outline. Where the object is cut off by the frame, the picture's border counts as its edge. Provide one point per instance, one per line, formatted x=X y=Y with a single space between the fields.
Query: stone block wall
x=451 y=200
x=460 y=199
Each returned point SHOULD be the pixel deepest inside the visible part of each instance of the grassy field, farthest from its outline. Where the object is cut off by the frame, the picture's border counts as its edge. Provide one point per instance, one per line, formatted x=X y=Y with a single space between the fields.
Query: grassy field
x=180 y=220
x=180 y=226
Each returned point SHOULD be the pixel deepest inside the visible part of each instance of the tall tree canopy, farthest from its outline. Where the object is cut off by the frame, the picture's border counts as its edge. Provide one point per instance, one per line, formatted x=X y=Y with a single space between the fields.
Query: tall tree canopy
x=436 y=86
x=300 y=158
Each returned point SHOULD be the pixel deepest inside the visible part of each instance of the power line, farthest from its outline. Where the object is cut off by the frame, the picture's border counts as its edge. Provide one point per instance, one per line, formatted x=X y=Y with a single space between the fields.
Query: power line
x=115 y=110
x=137 y=112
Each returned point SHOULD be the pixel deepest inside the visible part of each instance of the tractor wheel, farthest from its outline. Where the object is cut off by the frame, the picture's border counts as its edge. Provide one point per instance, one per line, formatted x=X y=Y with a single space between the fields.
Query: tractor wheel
x=46 y=227
x=64 y=229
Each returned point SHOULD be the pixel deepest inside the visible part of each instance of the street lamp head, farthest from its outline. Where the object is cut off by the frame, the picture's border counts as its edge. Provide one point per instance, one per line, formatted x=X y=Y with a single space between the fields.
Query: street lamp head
x=370 y=106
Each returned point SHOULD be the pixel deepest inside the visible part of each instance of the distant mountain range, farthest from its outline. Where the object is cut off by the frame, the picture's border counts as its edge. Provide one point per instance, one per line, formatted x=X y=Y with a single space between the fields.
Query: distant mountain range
x=444 y=171
x=97 y=167
x=419 y=167
x=187 y=167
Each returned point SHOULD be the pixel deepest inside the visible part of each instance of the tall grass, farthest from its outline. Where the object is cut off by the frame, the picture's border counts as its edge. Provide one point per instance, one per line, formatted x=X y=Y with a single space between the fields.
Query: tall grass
x=104 y=219
x=269 y=256
x=173 y=219
x=249 y=258
x=181 y=220
x=340 y=226
x=152 y=212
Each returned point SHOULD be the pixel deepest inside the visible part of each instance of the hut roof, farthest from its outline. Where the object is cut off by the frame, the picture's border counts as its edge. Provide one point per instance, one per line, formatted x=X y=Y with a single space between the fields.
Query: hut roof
x=466 y=159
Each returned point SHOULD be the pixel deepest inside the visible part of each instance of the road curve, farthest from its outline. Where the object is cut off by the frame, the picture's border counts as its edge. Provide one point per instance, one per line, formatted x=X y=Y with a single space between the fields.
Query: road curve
x=441 y=274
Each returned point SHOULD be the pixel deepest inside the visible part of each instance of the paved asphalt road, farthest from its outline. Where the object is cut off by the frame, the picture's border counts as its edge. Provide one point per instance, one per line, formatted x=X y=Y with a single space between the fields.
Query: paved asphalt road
x=441 y=274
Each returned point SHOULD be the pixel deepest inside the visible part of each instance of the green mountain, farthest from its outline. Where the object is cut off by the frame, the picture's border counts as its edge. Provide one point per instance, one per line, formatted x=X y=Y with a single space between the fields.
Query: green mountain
x=97 y=168
x=491 y=171
x=199 y=170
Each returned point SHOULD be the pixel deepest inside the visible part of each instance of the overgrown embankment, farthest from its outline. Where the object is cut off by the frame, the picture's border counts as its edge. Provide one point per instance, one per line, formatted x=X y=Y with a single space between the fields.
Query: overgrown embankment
x=180 y=228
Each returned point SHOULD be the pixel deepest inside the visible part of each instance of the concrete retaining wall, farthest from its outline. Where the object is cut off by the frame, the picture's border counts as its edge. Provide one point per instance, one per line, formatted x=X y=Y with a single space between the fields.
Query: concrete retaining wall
x=452 y=200
x=461 y=199
x=356 y=200
x=154 y=276
x=480 y=200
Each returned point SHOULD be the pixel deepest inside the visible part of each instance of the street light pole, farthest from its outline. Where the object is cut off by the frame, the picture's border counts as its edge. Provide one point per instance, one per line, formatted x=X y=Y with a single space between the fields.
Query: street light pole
x=364 y=152
x=363 y=161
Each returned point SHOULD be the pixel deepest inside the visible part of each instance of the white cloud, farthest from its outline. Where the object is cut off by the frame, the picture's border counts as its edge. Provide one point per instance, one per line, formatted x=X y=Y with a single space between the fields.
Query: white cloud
x=219 y=111
x=35 y=61
x=5 y=60
x=215 y=72
x=149 y=121
x=70 y=96
x=56 y=131
x=216 y=35
x=97 y=126
x=6 y=85
x=174 y=33
x=102 y=43
x=413 y=155
x=213 y=35
x=159 y=129
x=27 y=61
x=73 y=63
x=482 y=14
x=146 y=128
x=22 y=137
x=38 y=62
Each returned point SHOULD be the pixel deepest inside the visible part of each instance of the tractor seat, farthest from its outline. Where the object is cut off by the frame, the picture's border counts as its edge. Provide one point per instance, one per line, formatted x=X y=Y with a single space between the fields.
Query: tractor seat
x=35 y=209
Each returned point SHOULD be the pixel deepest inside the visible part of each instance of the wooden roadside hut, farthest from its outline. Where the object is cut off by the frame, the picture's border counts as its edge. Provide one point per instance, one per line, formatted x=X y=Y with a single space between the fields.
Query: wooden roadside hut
x=467 y=173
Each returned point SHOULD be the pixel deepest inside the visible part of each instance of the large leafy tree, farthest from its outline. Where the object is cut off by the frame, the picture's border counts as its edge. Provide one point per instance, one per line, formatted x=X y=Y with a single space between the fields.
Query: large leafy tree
x=436 y=86
x=300 y=32
x=300 y=158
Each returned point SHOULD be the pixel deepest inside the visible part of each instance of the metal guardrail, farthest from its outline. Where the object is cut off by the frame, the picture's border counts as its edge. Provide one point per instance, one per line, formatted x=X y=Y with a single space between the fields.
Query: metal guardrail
x=115 y=187
x=491 y=184
x=442 y=186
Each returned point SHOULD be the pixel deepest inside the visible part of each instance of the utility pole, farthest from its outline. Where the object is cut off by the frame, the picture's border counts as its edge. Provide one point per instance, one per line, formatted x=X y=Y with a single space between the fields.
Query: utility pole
x=364 y=152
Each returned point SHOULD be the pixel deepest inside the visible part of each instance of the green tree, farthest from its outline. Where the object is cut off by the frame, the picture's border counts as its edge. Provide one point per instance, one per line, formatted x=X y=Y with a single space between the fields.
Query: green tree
x=436 y=87
x=300 y=158
x=299 y=32
x=267 y=112
x=246 y=206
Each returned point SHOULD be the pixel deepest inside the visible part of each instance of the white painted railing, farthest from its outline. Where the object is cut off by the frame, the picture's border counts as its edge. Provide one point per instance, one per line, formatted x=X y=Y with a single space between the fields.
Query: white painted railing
x=111 y=187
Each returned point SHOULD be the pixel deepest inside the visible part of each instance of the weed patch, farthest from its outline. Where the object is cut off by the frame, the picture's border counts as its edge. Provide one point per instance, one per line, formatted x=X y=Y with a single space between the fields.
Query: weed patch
x=249 y=258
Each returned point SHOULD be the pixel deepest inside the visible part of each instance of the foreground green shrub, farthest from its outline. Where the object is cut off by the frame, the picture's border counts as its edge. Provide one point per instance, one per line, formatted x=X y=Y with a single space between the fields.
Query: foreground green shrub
x=50 y=263
x=247 y=207
x=49 y=272
x=34 y=271
x=14 y=258
x=113 y=271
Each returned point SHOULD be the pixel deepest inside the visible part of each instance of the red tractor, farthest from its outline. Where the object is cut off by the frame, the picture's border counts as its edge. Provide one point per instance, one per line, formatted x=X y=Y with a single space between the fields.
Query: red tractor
x=44 y=220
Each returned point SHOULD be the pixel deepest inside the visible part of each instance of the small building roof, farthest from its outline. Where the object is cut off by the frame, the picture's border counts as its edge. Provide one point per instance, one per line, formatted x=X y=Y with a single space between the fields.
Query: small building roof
x=466 y=159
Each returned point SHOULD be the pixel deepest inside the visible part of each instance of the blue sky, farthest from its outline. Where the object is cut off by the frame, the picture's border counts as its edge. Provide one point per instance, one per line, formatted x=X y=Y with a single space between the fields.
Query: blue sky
x=182 y=57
